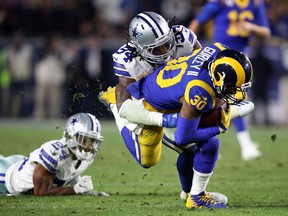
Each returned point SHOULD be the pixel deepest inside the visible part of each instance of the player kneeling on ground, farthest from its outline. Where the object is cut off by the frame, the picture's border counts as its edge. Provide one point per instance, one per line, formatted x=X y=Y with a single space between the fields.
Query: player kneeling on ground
x=56 y=167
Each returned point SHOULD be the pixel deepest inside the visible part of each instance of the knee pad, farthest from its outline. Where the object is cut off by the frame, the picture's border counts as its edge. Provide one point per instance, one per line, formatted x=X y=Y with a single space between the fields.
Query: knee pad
x=150 y=141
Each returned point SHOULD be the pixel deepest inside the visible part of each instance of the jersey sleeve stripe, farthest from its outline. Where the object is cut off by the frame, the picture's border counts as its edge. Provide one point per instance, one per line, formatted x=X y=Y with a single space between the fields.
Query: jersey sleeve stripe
x=47 y=159
x=191 y=38
x=121 y=72
x=48 y=166
x=118 y=65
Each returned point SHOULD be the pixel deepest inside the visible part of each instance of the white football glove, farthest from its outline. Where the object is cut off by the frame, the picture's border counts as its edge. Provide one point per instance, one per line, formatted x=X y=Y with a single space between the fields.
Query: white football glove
x=97 y=193
x=83 y=185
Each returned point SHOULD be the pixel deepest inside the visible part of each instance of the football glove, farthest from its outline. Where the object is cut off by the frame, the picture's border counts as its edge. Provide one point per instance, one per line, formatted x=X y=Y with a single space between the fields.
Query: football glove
x=170 y=120
x=83 y=185
x=97 y=193
x=225 y=119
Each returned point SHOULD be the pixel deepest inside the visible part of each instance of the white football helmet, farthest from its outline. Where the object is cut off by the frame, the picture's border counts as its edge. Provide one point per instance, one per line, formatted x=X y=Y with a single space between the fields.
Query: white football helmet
x=152 y=37
x=82 y=135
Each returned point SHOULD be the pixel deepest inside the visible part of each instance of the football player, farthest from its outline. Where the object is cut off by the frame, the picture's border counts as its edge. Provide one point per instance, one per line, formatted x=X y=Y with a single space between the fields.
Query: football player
x=56 y=167
x=152 y=44
x=234 y=23
x=192 y=84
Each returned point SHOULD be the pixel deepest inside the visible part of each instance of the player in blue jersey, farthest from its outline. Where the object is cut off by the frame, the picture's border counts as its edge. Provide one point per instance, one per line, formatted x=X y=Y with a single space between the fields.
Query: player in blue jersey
x=192 y=84
x=235 y=22
x=152 y=44
x=56 y=167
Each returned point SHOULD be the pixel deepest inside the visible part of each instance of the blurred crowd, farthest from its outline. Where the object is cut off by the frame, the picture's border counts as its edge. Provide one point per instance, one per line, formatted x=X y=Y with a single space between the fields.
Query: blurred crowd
x=55 y=55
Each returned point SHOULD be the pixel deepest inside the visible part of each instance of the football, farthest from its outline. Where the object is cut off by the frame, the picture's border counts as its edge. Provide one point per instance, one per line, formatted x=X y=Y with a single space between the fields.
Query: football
x=211 y=117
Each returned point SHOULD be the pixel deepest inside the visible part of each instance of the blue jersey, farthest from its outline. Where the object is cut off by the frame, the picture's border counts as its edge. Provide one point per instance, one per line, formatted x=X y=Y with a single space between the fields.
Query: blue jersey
x=186 y=76
x=226 y=14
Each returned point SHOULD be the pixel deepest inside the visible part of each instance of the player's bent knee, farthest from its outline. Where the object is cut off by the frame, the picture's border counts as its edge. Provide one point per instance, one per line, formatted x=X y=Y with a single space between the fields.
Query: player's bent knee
x=151 y=145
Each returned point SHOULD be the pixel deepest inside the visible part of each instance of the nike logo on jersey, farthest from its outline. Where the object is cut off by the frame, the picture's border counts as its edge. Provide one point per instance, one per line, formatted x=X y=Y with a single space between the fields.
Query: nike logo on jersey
x=204 y=98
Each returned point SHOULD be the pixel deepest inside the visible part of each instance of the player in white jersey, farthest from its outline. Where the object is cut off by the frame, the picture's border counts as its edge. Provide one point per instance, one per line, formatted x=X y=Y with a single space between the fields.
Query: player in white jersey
x=152 y=43
x=55 y=168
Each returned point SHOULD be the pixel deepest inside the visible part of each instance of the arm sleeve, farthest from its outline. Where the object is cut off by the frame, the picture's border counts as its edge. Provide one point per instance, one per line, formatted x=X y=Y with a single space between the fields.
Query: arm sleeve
x=187 y=131
x=261 y=18
x=208 y=12
x=134 y=112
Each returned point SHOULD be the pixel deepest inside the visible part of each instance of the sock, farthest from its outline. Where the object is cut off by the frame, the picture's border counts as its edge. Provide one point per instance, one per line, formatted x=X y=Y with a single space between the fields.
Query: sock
x=130 y=139
x=120 y=122
x=244 y=139
x=200 y=182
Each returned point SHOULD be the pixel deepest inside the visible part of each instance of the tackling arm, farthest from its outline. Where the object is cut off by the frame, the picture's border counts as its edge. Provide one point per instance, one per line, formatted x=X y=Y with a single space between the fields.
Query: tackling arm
x=121 y=92
x=136 y=113
x=43 y=183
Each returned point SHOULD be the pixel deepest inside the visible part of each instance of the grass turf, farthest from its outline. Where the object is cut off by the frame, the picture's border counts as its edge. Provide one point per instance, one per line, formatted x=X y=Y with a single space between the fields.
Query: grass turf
x=253 y=188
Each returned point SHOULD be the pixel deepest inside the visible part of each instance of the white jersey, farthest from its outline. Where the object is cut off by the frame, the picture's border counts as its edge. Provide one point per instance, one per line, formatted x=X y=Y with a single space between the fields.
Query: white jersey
x=53 y=156
x=128 y=64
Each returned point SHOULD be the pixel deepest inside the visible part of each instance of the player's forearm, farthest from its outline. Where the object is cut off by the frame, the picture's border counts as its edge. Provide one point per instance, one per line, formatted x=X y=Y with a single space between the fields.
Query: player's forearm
x=261 y=31
x=56 y=191
x=121 y=91
x=187 y=131
x=194 y=26
x=121 y=95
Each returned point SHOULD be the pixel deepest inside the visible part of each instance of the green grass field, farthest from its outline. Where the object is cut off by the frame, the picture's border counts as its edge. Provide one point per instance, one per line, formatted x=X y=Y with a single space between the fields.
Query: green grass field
x=254 y=188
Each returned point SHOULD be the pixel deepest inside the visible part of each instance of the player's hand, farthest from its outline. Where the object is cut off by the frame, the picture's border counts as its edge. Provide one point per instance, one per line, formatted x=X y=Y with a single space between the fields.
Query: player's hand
x=83 y=185
x=224 y=122
x=170 y=120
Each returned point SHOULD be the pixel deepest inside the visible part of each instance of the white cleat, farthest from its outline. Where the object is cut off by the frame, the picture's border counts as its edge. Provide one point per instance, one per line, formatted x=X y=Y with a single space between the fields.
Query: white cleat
x=251 y=153
x=221 y=198
x=241 y=109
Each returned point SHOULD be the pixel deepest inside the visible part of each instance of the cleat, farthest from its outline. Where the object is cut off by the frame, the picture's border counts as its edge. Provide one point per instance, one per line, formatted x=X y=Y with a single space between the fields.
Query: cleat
x=108 y=97
x=203 y=200
x=250 y=152
x=221 y=198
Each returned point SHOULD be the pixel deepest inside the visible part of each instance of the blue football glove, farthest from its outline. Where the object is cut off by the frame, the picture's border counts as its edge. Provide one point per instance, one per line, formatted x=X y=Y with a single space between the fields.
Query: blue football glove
x=170 y=120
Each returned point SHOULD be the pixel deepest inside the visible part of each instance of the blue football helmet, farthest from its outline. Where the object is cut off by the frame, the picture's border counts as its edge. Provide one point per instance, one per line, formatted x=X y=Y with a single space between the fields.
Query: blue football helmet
x=231 y=73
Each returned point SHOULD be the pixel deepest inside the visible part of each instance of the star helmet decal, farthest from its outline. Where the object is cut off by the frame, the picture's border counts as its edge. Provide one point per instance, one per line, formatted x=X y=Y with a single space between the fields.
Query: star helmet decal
x=135 y=34
x=73 y=121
